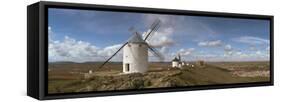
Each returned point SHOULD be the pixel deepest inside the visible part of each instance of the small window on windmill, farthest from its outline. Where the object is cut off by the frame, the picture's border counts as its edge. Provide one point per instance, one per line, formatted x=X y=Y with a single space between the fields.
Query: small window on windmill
x=139 y=45
x=129 y=45
x=127 y=67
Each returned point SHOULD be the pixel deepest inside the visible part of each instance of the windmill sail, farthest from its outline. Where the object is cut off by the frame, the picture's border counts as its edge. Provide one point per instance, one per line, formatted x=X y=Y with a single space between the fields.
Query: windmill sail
x=154 y=27
x=113 y=55
x=137 y=38
x=156 y=53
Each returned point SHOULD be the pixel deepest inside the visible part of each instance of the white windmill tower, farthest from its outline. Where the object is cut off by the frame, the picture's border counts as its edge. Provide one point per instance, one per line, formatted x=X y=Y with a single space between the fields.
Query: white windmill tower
x=176 y=62
x=135 y=52
x=135 y=55
x=180 y=62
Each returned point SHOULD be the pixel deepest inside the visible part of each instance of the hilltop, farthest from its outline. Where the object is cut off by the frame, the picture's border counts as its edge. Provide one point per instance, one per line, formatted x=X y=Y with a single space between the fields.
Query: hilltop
x=158 y=77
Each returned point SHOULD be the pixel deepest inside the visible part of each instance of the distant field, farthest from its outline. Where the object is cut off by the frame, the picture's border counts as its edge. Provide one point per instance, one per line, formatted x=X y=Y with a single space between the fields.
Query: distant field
x=67 y=77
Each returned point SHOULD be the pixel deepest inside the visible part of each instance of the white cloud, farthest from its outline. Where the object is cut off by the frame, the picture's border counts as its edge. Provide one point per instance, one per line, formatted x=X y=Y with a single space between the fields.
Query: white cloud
x=110 y=50
x=228 y=53
x=239 y=53
x=162 y=39
x=258 y=52
x=70 y=49
x=253 y=48
x=268 y=48
x=79 y=51
x=228 y=47
x=186 y=52
x=163 y=36
x=235 y=55
x=214 y=43
x=251 y=40
x=228 y=50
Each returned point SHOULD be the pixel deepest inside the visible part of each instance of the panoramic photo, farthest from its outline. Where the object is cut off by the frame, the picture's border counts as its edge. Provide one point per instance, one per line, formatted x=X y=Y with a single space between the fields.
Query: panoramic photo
x=90 y=51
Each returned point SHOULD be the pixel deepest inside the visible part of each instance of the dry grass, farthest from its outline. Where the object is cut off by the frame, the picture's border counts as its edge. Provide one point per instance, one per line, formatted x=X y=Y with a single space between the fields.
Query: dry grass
x=64 y=78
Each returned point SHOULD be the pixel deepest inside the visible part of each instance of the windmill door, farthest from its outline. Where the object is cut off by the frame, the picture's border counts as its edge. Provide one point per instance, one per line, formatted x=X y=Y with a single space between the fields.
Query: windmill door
x=127 y=67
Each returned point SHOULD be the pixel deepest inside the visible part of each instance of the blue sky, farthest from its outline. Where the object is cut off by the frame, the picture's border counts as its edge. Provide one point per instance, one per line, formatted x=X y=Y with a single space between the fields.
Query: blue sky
x=83 y=35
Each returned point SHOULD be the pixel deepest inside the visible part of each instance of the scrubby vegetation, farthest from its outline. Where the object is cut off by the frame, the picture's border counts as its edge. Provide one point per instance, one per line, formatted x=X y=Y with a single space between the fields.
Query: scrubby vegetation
x=64 y=80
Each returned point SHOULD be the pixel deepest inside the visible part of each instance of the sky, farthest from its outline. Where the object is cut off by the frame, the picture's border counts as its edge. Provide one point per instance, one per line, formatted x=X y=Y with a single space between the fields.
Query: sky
x=88 y=35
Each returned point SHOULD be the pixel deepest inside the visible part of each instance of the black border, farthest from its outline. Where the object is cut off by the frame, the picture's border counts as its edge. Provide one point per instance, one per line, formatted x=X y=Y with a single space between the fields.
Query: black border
x=43 y=53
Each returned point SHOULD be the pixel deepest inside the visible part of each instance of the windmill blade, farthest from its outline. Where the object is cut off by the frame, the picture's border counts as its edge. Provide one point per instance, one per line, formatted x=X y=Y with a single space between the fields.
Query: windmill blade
x=155 y=25
x=156 y=53
x=113 y=55
x=153 y=28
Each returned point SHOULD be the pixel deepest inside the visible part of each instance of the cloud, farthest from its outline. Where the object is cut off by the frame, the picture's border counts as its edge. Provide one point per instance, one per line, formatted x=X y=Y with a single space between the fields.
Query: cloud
x=236 y=55
x=186 y=52
x=267 y=48
x=251 y=40
x=258 y=52
x=228 y=47
x=228 y=50
x=214 y=43
x=70 y=49
x=79 y=51
x=253 y=48
x=49 y=28
x=163 y=36
x=109 y=50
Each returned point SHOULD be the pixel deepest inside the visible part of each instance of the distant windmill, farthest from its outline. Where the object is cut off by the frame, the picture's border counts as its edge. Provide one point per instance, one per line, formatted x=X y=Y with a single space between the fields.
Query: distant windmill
x=135 y=52
x=177 y=62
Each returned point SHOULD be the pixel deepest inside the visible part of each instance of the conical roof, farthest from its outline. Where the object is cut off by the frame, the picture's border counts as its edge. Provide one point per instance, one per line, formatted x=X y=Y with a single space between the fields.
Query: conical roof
x=136 y=38
x=176 y=59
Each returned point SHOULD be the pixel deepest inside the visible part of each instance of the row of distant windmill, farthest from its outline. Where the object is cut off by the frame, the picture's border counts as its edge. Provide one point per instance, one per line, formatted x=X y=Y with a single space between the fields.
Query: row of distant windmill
x=135 y=51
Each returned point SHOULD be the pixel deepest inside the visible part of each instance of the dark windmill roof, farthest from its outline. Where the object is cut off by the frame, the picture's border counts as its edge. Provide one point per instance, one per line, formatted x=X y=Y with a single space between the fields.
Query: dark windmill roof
x=136 y=38
x=175 y=59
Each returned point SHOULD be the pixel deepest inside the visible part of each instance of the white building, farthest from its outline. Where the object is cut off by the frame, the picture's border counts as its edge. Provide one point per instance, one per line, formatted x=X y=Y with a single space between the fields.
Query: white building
x=182 y=63
x=175 y=62
x=179 y=65
x=135 y=55
x=88 y=75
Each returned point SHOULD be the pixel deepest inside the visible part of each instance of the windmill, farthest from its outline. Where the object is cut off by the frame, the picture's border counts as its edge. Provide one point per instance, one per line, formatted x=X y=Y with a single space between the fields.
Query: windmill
x=135 y=51
x=177 y=61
